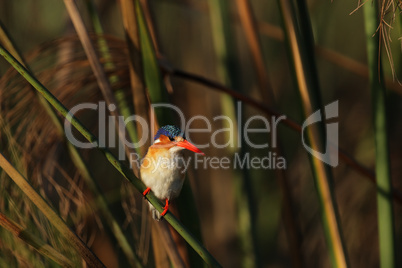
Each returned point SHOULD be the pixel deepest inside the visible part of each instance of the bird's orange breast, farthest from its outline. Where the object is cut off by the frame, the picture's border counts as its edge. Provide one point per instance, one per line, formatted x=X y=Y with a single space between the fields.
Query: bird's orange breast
x=158 y=155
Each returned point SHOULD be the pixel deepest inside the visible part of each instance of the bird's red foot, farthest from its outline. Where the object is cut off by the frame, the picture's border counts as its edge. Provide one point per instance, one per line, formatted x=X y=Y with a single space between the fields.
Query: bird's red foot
x=165 y=208
x=146 y=191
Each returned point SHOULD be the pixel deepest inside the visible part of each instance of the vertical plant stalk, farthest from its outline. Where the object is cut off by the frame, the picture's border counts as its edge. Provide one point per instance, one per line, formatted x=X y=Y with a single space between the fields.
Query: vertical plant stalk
x=150 y=23
x=251 y=31
x=268 y=95
x=125 y=171
x=130 y=253
x=158 y=95
x=90 y=258
x=152 y=77
x=38 y=244
x=99 y=74
x=119 y=94
x=225 y=49
x=161 y=257
x=307 y=81
x=386 y=229
x=140 y=99
x=164 y=235
x=140 y=69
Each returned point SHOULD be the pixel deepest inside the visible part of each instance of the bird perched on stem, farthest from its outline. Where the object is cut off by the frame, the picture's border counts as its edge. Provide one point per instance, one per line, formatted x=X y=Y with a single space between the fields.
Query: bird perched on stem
x=163 y=169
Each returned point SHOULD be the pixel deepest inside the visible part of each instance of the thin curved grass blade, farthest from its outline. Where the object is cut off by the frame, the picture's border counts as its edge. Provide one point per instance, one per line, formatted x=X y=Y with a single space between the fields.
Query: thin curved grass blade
x=52 y=216
x=39 y=245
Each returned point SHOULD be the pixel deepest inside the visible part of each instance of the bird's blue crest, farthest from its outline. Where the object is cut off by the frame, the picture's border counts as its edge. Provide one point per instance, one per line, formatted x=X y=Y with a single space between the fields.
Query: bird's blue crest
x=169 y=131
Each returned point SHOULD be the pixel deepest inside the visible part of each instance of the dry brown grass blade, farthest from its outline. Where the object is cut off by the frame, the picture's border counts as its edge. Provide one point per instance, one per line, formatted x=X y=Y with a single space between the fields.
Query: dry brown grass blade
x=168 y=242
x=39 y=245
x=160 y=253
x=151 y=28
x=8 y=44
x=99 y=72
x=268 y=95
x=250 y=29
x=307 y=81
x=52 y=216
x=140 y=99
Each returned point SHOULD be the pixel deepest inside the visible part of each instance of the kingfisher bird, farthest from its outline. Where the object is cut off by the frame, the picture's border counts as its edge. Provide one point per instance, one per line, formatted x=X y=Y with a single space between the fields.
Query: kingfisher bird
x=162 y=168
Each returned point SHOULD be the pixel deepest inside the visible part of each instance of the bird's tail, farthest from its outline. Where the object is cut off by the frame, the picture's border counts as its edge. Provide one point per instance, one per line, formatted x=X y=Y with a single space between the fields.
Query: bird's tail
x=155 y=214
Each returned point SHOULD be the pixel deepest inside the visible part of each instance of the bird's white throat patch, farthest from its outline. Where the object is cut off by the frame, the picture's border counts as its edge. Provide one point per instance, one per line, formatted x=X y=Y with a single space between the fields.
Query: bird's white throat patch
x=175 y=149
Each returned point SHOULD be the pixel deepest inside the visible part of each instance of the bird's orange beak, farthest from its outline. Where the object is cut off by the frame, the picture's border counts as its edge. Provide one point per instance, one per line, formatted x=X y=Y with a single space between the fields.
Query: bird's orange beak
x=189 y=146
